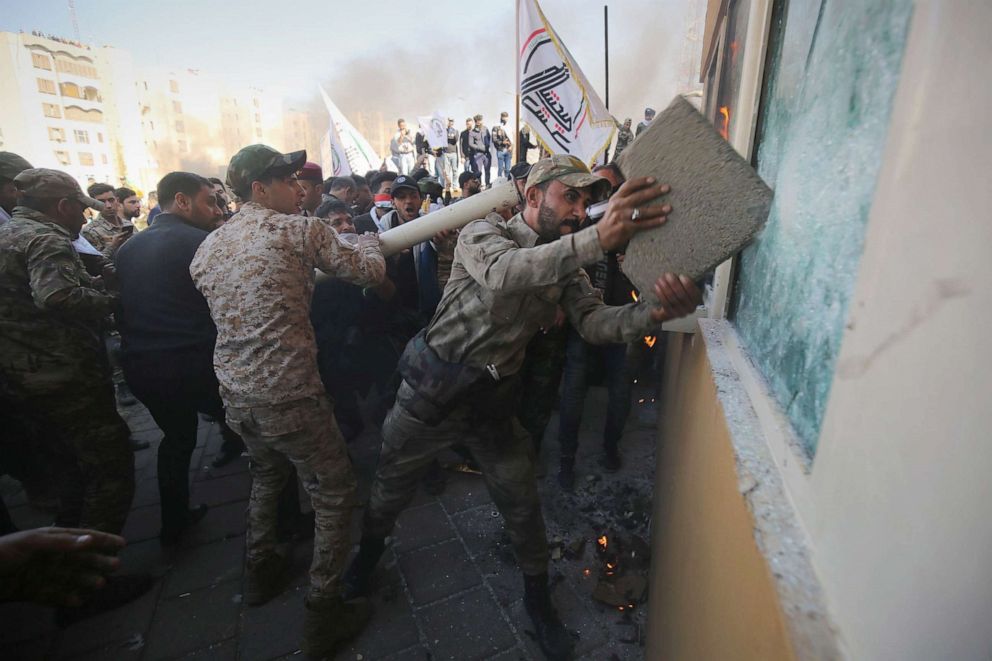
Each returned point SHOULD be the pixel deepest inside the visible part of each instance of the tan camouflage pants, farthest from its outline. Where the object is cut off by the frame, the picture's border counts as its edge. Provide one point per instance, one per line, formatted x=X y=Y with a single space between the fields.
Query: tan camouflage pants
x=301 y=433
x=504 y=453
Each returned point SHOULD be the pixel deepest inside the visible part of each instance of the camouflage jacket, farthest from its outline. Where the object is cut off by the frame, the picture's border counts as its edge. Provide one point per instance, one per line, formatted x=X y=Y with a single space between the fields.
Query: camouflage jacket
x=50 y=308
x=504 y=288
x=100 y=232
x=257 y=274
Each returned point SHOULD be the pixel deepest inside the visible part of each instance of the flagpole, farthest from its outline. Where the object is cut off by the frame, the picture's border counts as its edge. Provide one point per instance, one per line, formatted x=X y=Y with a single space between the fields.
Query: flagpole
x=606 y=50
x=516 y=69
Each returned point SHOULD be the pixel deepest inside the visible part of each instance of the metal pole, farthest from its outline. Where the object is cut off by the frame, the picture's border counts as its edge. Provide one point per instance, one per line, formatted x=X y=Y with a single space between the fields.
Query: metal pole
x=606 y=50
x=516 y=69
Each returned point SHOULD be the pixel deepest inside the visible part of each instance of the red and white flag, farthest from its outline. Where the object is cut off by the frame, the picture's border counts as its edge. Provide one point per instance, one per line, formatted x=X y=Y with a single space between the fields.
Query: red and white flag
x=556 y=100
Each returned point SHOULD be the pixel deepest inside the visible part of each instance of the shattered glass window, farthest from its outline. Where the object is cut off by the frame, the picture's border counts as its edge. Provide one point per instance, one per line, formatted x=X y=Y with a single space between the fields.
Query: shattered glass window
x=831 y=75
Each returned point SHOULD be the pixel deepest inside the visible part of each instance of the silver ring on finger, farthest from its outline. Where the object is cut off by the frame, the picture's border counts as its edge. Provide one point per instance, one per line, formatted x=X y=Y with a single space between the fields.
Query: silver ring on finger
x=635 y=215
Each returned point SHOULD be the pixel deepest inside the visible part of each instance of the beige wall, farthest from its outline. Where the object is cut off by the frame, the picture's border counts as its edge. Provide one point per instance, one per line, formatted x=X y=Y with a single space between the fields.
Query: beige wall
x=712 y=596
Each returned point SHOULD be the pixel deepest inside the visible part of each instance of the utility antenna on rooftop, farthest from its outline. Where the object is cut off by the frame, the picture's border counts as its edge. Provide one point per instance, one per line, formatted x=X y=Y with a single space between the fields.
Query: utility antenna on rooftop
x=75 y=21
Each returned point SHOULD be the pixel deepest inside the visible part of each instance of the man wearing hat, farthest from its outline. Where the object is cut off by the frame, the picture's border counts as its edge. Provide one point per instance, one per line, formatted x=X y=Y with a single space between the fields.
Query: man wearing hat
x=648 y=117
x=624 y=137
x=469 y=184
x=53 y=365
x=460 y=375
x=11 y=165
x=311 y=180
x=257 y=274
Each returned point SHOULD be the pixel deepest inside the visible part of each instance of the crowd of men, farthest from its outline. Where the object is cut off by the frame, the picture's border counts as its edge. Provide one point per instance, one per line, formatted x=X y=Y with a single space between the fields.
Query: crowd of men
x=473 y=149
x=219 y=311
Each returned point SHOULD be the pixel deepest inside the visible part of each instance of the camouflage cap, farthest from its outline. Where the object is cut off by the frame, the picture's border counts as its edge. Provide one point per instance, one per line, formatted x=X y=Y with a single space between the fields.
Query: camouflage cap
x=12 y=165
x=48 y=184
x=256 y=162
x=568 y=170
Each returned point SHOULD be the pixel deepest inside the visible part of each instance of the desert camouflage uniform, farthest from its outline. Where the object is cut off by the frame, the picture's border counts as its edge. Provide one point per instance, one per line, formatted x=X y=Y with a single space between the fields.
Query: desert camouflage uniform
x=54 y=373
x=257 y=274
x=100 y=232
x=540 y=377
x=503 y=289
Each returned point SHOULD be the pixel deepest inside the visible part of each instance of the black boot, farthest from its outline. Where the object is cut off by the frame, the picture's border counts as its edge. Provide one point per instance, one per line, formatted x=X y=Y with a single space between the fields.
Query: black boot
x=566 y=474
x=611 y=457
x=555 y=641
x=358 y=578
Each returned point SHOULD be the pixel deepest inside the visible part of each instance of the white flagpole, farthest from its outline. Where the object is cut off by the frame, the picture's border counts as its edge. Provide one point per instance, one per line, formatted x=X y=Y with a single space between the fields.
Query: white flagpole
x=516 y=68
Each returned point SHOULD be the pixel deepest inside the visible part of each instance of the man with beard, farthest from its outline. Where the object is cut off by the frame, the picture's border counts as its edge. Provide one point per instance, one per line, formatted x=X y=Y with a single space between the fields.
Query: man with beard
x=469 y=183
x=128 y=204
x=11 y=165
x=363 y=195
x=459 y=375
x=107 y=232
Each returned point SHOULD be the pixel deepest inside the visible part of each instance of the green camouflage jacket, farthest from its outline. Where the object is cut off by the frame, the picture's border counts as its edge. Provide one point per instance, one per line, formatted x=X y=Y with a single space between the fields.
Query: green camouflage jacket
x=50 y=308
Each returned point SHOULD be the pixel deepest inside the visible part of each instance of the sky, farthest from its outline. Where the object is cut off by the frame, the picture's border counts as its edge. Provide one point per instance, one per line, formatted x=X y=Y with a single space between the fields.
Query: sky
x=401 y=58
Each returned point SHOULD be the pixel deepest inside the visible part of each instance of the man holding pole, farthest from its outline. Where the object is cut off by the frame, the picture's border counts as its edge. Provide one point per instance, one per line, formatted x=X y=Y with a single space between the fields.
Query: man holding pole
x=460 y=375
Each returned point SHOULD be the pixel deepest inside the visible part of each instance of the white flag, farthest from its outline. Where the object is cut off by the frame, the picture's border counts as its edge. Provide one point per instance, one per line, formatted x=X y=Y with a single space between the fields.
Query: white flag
x=435 y=129
x=556 y=101
x=345 y=150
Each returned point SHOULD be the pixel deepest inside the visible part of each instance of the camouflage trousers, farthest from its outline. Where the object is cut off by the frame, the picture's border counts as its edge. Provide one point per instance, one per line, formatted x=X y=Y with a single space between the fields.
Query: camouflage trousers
x=503 y=451
x=540 y=377
x=85 y=443
x=302 y=433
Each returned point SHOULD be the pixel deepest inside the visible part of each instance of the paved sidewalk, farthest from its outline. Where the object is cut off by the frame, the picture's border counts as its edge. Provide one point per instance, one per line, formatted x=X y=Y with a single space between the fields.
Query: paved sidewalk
x=448 y=587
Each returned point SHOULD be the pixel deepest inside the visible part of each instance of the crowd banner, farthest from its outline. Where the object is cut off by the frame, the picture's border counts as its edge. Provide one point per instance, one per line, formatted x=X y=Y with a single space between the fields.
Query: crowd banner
x=343 y=149
x=435 y=129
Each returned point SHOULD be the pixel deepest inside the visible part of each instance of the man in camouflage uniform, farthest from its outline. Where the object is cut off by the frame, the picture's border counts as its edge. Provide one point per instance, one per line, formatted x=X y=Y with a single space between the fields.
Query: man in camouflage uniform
x=53 y=367
x=11 y=165
x=624 y=137
x=507 y=281
x=257 y=274
x=107 y=232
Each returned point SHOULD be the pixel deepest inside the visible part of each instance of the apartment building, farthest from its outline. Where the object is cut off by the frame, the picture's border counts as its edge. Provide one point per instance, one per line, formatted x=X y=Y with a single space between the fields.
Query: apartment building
x=55 y=108
x=93 y=113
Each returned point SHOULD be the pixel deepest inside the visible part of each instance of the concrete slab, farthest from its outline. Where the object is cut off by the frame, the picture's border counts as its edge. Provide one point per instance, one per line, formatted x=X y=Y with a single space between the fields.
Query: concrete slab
x=718 y=201
x=191 y=623
x=470 y=626
x=451 y=571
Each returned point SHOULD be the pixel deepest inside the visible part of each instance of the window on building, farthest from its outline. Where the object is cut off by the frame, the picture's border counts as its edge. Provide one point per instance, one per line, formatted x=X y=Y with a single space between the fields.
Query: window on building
x=103 y=158
x=41 y=61
x=71 y=90
x=258 y=118
x=85 y=158
x=56 y=134
x=255 y=102
x=795 y=280
x=180 y=126
x=51 y=110
x=174 y=87
x=177 y=107
x=46 y=86
x=258 y=133
x=146 y=85
x=62 y=157
x=183 y=147
x=80 y=68
x=78 y=114
x=151 y=125
x=92 y=94
x=99 y=137
x=82 y=137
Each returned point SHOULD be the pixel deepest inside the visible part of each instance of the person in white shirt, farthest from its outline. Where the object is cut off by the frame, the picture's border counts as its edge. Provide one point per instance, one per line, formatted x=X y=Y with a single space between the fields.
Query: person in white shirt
x=402 y=148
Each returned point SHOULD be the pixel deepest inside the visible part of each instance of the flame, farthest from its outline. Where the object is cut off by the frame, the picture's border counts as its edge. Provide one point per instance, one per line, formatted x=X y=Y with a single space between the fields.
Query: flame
x=725 y=129
x=602 y=541
x=620 y=608
x=648 y=339
x=586 y=572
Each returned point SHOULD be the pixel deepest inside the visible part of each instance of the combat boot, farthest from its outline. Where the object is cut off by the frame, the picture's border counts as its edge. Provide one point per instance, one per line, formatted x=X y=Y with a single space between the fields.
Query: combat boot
x=611 y=457
x=265 y=579
x=566 y=473
x=329 y=622
x=555 y=641
x=358 y=579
